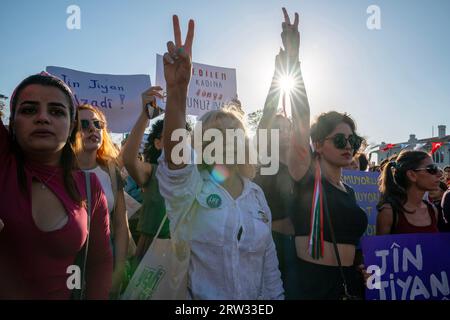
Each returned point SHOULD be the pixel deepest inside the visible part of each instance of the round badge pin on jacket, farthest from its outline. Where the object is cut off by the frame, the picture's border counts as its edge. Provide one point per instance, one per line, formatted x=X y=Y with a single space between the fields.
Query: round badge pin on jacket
x=214 y=201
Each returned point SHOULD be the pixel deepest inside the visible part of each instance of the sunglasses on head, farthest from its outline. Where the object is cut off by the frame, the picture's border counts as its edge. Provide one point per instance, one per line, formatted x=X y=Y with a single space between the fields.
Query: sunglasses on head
x=98 y=124
x=431 y=169
x=340 y=141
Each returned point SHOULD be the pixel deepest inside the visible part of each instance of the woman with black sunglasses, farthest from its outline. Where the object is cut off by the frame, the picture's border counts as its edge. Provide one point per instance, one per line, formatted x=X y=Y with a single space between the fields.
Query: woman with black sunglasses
x=335 y=142
x=320 y=193
x=403 y=183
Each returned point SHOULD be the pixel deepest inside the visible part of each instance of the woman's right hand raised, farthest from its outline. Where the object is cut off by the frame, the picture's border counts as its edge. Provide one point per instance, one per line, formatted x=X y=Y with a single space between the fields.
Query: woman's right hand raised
x=177 y=59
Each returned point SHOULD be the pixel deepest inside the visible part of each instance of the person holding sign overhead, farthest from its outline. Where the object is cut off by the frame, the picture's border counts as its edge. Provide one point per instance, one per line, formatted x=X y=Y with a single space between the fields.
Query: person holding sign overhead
x=223 y=215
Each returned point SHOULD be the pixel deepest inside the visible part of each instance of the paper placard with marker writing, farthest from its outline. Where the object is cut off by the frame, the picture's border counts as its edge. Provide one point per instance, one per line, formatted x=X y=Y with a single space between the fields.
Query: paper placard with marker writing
x=210 y=88
x=411 y=266
x=117 y=96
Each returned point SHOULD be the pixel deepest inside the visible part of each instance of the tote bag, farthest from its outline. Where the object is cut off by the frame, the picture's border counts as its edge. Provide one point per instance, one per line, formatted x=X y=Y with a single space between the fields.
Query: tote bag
x=163 y=271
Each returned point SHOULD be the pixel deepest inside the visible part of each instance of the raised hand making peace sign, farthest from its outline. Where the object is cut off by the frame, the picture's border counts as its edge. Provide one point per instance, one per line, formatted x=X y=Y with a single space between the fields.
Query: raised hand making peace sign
x=290 y=36
x=177 y=71
x=177 y=59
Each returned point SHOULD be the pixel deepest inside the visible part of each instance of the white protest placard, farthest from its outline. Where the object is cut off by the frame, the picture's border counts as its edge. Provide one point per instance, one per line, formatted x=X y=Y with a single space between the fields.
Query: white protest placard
x=117 y=96
x=210 y=87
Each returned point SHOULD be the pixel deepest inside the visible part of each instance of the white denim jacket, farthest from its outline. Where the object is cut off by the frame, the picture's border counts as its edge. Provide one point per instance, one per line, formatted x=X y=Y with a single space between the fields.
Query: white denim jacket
x=221 y=266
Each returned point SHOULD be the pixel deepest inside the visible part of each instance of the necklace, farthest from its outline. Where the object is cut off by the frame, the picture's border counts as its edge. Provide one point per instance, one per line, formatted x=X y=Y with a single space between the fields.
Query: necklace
x=337 y=185
x=45 y=182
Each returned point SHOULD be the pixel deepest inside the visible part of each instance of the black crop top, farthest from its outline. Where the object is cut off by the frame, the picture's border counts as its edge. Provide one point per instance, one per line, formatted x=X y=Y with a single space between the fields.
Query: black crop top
x=278 y=190
x=348 y=219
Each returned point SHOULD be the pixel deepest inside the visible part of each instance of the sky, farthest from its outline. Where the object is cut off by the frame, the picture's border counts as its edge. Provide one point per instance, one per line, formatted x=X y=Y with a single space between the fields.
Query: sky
x=394 y=82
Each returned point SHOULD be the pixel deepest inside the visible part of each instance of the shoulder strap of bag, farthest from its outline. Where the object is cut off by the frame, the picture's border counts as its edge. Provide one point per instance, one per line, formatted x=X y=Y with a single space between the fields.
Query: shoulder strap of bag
x=161 y=226
x=114 y=187
x=333 y=238
x=113 y=176
x=176 y=227
x=87 y=176
x=112 y=169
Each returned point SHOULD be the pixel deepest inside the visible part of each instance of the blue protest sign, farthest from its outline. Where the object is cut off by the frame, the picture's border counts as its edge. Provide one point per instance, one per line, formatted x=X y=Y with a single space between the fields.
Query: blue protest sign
x=410 y=266
x=367 y=194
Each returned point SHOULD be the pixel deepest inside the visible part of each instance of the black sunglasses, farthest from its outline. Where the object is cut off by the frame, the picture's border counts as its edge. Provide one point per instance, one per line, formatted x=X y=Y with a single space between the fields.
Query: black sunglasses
x=340 y=141
x=98 y=124
x=431 y=169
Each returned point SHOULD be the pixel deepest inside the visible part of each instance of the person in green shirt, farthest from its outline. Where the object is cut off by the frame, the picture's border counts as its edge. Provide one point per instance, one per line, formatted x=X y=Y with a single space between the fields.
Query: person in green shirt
x=143 y=172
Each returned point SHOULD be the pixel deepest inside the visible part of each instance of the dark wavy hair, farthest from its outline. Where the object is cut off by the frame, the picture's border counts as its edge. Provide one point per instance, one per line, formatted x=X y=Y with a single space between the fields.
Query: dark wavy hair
x=68 y=158
x=394 y=183
x=151 y=154
x=327 y=122
x=363 y=161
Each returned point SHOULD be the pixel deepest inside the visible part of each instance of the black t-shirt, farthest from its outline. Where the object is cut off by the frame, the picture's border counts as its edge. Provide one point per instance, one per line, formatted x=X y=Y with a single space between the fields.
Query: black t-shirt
x=348 y=219
x=278 y=190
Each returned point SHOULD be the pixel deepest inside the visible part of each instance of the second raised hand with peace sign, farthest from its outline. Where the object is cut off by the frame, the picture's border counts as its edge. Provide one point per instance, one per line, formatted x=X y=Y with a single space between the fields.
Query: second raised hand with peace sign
x=299 y=152
x=177 y=72
x=177 y=59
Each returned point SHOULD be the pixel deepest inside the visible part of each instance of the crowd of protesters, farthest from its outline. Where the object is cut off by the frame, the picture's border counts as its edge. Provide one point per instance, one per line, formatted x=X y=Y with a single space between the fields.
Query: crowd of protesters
x=250 y=234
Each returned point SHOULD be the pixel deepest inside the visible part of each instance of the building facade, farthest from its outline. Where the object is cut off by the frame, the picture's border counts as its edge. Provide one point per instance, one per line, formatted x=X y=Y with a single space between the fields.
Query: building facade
x=441 y=157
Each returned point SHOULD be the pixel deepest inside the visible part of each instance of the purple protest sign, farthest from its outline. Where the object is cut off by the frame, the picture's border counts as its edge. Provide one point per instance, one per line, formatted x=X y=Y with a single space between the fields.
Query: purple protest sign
x=410 y=266
x=365 y=185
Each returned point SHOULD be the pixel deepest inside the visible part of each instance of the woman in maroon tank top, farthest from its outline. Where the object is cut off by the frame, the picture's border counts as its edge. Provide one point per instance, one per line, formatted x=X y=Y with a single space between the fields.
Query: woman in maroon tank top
x=43 y=211
x=403 y=183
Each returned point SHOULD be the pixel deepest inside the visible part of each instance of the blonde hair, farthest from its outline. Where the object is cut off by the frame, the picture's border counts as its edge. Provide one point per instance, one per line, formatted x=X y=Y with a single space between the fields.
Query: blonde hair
x=228 y=118
x=107 y=151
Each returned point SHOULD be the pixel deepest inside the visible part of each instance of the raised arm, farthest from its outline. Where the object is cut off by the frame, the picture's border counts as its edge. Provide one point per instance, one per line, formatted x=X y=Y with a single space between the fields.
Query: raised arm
x=299 y=153
x=271 y=104
x=140 y=171
x=177 y=72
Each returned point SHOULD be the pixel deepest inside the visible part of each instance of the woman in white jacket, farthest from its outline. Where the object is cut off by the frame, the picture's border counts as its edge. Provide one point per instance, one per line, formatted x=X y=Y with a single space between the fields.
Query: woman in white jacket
x=227 y=221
